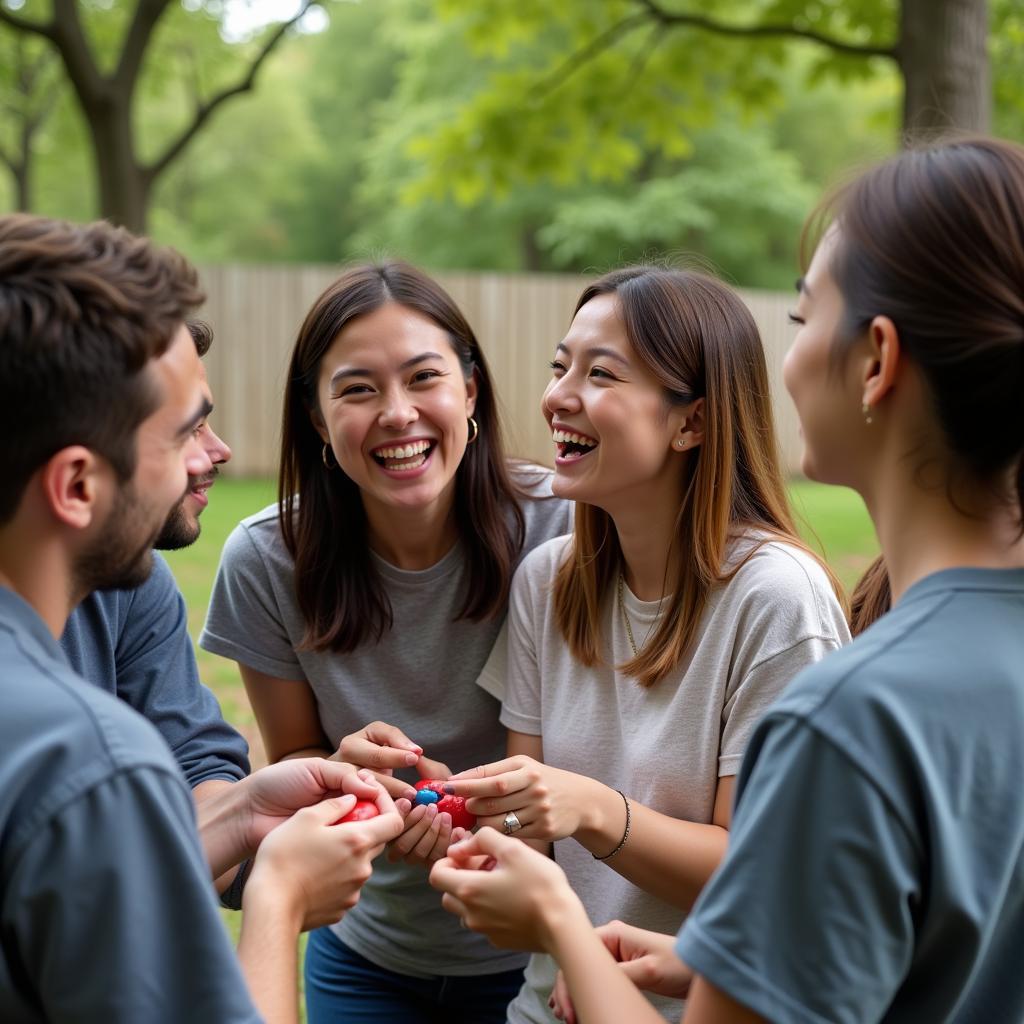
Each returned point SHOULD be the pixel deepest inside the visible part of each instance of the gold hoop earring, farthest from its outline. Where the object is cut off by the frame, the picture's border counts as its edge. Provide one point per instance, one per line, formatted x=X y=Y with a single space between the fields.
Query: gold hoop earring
x=327 y=457
x=866 y=411
x=476 y=431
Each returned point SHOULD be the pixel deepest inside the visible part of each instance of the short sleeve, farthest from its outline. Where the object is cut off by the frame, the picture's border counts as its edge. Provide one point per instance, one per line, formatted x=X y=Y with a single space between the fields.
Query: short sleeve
x=788 y=618
x=810 y=917
x=244 y=620
x=521 y=708
x=157 y=675
x=109 y=908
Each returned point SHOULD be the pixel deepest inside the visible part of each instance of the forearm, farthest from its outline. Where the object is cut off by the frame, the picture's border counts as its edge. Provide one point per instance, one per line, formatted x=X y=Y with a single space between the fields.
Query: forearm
x=268 y=953
x=601 y=992
x=667 y=857
x=206 y=791
x=220 y=815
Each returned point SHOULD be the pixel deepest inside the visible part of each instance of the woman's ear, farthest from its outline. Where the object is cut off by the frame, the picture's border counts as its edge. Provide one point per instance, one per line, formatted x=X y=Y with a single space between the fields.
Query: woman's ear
x=472 y=389
x=690 y=430
x=319 y=426
x=881 y=362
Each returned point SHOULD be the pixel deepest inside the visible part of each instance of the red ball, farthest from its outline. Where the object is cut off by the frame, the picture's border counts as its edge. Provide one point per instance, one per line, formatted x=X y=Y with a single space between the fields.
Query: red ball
x=454 y=805
x=363 y=811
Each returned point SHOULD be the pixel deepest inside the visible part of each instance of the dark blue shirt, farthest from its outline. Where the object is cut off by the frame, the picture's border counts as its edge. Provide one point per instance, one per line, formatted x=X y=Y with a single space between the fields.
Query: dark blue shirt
x=107 y=913
x=876 y=862
x=135 y=644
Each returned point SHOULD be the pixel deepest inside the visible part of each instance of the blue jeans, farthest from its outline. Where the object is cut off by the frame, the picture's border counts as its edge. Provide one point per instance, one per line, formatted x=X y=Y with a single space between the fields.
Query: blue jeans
x=343 y=987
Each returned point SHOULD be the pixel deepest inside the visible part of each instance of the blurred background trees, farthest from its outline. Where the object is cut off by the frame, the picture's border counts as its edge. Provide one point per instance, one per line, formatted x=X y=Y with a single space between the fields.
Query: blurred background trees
x=479 y=133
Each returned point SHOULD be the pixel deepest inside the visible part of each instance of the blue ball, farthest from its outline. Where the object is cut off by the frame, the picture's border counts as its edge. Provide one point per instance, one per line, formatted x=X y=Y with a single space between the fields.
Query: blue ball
x=426 y=796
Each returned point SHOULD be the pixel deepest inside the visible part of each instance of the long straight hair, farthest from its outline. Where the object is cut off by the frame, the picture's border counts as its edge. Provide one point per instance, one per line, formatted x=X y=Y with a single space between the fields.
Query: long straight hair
x=700 y=341
x=322 y=518
x=934 y=239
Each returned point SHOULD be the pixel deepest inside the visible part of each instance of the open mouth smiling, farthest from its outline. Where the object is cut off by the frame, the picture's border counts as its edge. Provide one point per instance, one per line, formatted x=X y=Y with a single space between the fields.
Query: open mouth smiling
x=399 y=457
x=571 y=445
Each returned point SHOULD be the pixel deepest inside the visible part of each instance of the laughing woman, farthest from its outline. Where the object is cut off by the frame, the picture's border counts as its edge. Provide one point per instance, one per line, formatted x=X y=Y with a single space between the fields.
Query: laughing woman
x=644 y=648
x=374 y=590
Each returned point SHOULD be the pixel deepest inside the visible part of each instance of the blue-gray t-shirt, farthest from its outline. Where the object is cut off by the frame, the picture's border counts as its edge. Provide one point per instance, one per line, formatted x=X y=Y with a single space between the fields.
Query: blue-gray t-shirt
x=135 y=644
x=107 y=913
x=876 y=862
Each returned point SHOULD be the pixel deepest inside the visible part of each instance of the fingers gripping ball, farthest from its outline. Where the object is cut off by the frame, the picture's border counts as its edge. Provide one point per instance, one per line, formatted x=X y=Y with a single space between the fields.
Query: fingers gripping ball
x=431 y=791
x=363 y=811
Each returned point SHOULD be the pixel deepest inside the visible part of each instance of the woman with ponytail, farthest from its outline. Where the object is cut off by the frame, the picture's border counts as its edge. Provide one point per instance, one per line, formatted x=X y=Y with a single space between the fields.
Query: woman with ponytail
x=876 y=862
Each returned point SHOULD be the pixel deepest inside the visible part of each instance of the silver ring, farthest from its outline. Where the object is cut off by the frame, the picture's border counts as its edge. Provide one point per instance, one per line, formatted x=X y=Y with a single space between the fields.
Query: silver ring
x=512 y=823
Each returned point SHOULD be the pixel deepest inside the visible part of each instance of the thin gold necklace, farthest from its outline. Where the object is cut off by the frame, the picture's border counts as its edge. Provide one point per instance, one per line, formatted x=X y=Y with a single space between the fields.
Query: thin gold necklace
x=625 y=619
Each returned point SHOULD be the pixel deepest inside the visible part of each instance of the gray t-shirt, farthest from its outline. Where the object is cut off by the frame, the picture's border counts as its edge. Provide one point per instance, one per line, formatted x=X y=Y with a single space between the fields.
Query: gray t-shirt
x=876 y=863
x=667 y=746
x=107 y=912
x=422 y=677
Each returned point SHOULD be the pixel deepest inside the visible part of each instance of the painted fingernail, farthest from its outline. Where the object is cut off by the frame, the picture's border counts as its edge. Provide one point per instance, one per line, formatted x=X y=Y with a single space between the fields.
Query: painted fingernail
x=448 y=788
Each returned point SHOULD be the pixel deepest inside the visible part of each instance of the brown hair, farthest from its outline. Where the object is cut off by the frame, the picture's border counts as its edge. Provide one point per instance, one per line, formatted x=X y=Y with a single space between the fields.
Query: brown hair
x=934 y=239
x=337 y=586
x=697 y=337
x=83 y=308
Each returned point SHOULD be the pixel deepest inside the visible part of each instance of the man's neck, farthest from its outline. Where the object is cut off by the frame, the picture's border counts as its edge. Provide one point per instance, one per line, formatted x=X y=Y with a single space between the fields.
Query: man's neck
x=39 y=573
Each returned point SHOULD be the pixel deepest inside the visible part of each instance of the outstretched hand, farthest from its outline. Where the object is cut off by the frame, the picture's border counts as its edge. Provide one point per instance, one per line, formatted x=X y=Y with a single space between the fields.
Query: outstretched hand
x=647 y=958
x=514 y=895
x=316 y=867
x=273 y=794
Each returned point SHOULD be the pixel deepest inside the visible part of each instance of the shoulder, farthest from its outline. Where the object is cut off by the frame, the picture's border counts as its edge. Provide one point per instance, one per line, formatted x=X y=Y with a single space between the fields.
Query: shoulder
x=537 y=570
x=544 y=514
x=256 y=540
x=781 y=582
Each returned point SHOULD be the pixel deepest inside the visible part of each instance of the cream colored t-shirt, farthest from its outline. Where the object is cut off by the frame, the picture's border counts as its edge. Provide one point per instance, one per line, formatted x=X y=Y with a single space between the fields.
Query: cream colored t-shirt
x=665 y=747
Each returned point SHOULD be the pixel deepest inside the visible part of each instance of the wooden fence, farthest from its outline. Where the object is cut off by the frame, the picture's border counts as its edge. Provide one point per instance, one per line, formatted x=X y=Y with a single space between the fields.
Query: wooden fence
x=256 y=311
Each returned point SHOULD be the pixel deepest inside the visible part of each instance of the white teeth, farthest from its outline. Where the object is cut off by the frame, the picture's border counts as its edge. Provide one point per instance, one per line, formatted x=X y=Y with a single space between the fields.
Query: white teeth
x=566 y=437
x=407 y=451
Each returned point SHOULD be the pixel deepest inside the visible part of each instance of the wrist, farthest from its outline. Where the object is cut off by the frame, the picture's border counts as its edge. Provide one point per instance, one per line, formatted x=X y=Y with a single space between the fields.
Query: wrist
x=561 y=916
x=268 y=902
x=602 y=820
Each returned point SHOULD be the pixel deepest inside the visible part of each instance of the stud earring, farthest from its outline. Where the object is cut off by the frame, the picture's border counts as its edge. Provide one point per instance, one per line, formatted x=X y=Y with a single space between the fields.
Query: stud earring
x=681 y=444
x=866 y=411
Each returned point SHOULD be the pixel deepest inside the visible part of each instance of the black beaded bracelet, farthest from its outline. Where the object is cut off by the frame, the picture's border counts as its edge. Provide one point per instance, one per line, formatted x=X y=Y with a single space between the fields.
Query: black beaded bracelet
x=625 y=835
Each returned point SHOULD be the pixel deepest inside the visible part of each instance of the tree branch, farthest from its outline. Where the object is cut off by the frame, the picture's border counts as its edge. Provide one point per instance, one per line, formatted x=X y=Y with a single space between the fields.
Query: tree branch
x=147 y=14
x=71 y=43
x=671 y=20
x=204 y=110
x=596 y=46
x=46 y=29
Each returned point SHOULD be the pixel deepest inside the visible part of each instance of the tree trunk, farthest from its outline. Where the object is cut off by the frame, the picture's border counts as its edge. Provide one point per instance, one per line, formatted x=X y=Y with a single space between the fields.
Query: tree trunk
x=123 y=185
x=943 y=56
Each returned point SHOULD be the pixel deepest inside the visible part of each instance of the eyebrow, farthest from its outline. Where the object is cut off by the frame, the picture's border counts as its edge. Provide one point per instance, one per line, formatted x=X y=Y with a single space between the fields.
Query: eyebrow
x=358 y=371
x=597 y=350
x=198 y=416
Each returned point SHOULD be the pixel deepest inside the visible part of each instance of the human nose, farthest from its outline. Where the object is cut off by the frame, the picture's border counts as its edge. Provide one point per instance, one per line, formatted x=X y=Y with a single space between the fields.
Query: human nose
x=216 y=449
x=398 y=411
x=197 y=458
x=560 y=396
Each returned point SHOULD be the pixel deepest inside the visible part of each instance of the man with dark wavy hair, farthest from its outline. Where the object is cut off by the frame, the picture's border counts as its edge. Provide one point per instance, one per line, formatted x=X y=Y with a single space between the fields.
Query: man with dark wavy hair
x=106 y=908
